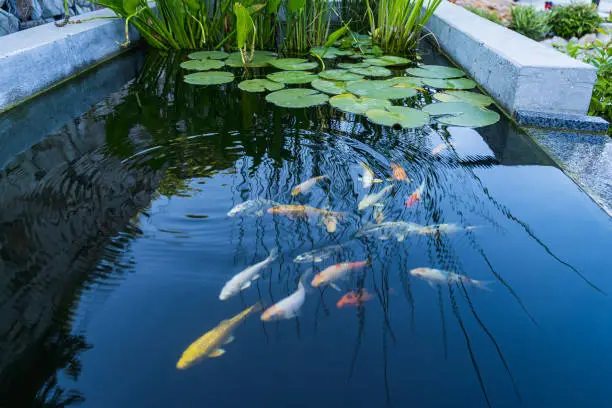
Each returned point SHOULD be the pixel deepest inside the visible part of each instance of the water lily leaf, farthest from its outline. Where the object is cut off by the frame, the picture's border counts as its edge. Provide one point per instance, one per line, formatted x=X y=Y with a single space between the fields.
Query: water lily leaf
x=297 y=98
x=401 y=116
x=458 y=83
x=329 y=53
x=388 y=61
x=339 y=75
x=436 y=71
x=330 y=87
x=209 y=78
x=205 y=55
x=380 y=89
x=260 y=85
x=409 y=82
x=461 y=114
x=293 y=64
x=344 y=53
x=349 y=65
x=372 y=71
x=354 y=104
x=260 y=59
x=473 y=98
x=202 y=65
x=292 y=77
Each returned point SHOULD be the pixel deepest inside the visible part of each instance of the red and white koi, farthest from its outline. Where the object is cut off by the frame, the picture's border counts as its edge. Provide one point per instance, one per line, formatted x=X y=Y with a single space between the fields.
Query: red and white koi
x=416 y=195
x=336 y=272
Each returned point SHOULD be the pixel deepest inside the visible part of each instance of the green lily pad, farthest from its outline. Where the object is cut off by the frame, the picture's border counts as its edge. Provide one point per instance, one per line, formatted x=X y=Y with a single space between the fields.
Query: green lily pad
x=388 y=61
x=339 y=75
x=410 y=82
x=293 y=64
x=473 y=98
x=350 y=65
x=202 y=65
x=330 y=87
x=461 y=114
x=330 y=53
x=292 y=77
x=297 y=98
x=401 y=116
x=372 y=71
x=260 y=85
x=344 y=53
x=379 y=89
x=436 y=71
x=209 y=78
x=208 y=55
x=358 y=105
x=458 y=83
x=260 y=59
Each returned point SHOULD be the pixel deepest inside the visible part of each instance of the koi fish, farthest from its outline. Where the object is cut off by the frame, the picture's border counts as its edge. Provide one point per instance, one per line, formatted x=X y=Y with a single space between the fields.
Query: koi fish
x=399 y=173
x=211 y=343
x=330 y=223
x=372 y=199
x=289 y=307
x=444 y=229
x=251 y=207
x=367 y=179
x=385 y=230
x=243 y=279
x=307 y=185
x=379 y=215
x=356 y=299
x=336 y=272
x=298 y=210
x=438 y=277
x=318 y=255
x=441 y=147
x=416 y=195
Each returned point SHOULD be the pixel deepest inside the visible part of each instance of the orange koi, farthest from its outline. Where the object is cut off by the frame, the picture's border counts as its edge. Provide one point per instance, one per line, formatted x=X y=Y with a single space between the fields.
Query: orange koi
x=416 y=195
x=356 y=299
x=399 y=173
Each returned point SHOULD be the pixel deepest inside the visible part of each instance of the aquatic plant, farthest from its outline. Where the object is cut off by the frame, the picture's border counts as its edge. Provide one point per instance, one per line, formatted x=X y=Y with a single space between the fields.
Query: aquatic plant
x=307 y=24
x=485 y=13
x=528 y=21
x=574 y=20
x=396 y=25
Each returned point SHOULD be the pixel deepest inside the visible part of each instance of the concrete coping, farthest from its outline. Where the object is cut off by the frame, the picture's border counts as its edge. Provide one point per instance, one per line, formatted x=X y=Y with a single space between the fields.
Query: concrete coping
x=519 y=73
x=36 y=59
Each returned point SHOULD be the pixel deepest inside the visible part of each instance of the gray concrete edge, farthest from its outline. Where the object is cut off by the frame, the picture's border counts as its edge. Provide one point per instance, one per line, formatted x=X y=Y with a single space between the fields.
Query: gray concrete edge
x=34 y=60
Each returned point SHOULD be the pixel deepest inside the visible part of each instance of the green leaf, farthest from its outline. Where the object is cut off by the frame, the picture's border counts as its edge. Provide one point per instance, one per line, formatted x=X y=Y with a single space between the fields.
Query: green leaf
x=336 y=35
x=293 y=64
x=339 y=75
x=292 y=77
x=357 y=105
x=372 y=71
x=260 y=85
x=204 y=55
x=295 y=5
x=473 y=98
x=330 y=87
x=130 y=6
x=297 y=98
x=461 y=114
x=260 y=59
x=435 y=71
x=459 y=83
x=327 y=53
x=349 y=65
x=409 y=82
x=380 y=89
x=202 y=65
x=272 y=6
x=388 y=61
x=209 y=78
x=244 y=25
x=398 y=116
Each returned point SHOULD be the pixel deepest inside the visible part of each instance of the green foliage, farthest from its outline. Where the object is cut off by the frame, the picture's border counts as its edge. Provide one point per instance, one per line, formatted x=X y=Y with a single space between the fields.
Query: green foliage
x=528 y=21
x=574 y=20
x=307 y=25
x=486 y=14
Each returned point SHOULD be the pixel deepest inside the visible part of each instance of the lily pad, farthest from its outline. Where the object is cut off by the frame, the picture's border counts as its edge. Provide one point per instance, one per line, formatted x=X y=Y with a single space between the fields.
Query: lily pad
x=330 y=53
x=202 y=65
x=458 y=83
x=293 y=64
x=388 y=61
x=260 y=59
x=410 y=82
x=297 y=98
x=379 y=89
x=339 y=75
x=330 y=87
x=208 y=55
x=398 y=116
x=473 y=98
x=350 y=65
x=358 y=105
x=260 y=85
x=461 y=114
x=436 y=71
x=292 y=77
x=372 y=71
x=209 y=78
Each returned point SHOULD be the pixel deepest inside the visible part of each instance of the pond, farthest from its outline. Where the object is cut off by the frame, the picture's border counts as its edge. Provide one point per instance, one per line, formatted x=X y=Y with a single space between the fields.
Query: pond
x=117 y=239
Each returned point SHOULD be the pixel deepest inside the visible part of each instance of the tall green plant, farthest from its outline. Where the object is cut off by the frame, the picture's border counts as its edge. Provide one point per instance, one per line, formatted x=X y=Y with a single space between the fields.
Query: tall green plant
x=307 y=25
x=529 y=22
x=398 y=23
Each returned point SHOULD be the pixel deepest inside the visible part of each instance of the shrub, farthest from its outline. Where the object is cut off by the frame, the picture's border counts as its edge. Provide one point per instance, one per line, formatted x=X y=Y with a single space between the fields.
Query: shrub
x=484 y=13
x=529 y=22
x=574 y=20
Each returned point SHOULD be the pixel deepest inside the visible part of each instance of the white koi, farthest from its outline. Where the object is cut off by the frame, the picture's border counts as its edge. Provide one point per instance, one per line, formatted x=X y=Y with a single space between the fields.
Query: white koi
x=243 y=279
x=372 y=199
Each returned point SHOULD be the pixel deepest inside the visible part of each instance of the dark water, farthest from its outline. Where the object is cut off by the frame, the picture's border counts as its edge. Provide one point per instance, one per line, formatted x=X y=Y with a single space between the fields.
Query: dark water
x=115 y=244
